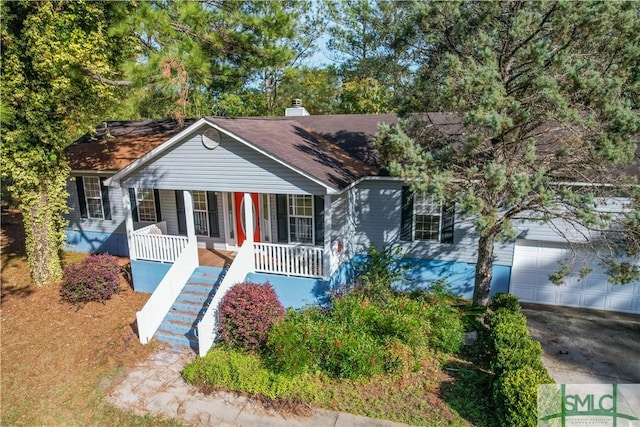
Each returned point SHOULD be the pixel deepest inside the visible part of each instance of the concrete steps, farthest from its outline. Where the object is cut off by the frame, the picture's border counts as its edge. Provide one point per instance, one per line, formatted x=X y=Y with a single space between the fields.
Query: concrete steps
x=179 y=327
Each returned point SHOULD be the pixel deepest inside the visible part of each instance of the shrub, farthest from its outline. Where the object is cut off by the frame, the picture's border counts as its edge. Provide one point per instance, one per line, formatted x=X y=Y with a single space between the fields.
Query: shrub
x=233 y=370
x=515 y=394
x=309 y=340
x=360 y=337
x=512 y=346
x=398 y=357
x=515 y=359
x=94 y=278
x=379 y=270
x=505 y=301
x=247 y=313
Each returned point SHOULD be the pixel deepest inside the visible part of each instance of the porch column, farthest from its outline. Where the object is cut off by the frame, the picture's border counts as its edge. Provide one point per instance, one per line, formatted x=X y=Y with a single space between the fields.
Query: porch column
x=188 y=213
x=328 y=255
x=128 y=222
x=248 y=217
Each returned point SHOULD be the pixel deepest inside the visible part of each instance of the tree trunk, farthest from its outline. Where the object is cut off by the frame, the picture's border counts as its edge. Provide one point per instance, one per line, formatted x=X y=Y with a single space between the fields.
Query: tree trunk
x=42 y=240
x=484 y=271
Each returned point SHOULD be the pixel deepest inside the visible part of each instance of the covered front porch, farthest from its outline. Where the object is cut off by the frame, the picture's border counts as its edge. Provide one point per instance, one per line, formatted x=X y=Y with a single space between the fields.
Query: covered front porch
x=288 y=233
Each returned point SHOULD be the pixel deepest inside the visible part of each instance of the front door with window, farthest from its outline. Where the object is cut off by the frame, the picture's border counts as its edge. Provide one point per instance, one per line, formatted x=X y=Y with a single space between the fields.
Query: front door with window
x=255 y=213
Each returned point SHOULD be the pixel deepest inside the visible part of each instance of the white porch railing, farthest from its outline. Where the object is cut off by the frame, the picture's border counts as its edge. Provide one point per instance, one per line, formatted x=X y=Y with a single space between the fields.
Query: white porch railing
x=161 y=300
x=151 y=243
x=292 y=260
x=208 y=326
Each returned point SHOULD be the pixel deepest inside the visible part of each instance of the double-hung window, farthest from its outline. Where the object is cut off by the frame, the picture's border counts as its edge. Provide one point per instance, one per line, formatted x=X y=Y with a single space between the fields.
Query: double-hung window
x=146 y=203
x=200 y=213
x=93 y=197
x=425 y=219
x=301 y=219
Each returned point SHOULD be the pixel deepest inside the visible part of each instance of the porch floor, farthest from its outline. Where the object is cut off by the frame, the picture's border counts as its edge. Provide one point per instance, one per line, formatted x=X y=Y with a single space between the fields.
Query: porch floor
x=215 y=258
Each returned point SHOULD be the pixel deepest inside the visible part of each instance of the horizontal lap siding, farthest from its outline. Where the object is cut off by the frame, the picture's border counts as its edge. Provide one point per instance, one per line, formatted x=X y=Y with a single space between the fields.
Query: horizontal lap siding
x=377 y=221
x=560 y=230
x=169 y=210
x=340 y=233
x=170 y=213
x=113 y=225
x=231 y=166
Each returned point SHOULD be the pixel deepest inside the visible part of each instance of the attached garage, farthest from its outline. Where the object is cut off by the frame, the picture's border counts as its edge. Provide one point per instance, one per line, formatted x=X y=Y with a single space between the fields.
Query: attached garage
x=535 y=260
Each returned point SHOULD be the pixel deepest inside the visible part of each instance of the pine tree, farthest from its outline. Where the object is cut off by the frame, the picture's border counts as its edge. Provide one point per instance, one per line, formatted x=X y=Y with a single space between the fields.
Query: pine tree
x=545 y=92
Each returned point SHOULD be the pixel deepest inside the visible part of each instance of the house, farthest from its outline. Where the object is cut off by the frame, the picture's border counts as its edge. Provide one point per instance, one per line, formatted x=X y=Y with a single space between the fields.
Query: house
x=296 y=198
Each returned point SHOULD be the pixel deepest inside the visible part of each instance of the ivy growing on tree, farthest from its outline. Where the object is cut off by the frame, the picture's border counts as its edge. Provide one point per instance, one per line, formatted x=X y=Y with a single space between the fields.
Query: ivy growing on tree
x=54 y=55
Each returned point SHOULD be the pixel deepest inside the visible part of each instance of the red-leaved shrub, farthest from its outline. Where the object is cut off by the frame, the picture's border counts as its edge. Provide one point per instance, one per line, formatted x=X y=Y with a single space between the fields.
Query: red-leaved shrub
x=247 y=313
x=94 y=278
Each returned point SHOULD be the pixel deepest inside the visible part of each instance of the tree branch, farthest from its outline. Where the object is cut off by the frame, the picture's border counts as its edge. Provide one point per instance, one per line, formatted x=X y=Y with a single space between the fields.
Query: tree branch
x=101 y=79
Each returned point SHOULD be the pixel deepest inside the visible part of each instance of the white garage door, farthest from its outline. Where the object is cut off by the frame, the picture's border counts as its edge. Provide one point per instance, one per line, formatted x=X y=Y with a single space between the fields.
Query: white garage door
x=534 y=261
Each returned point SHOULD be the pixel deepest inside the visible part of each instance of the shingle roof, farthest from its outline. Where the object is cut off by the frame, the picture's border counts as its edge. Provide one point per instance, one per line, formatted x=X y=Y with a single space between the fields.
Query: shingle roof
x=289 y=141
x=335 y=149
x=115 y=144
x=335 y=155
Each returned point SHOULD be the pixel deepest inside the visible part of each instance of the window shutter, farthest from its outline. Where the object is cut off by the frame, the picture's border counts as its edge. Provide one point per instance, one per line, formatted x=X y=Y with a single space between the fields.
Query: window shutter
x=182 y=218
x=318 y=213
x=106 y=207
x=156 y=198
x=212 y=205
x=448 y=219
x=281 y=214
x=82 y=203
x=406 y=214
x=134 y=204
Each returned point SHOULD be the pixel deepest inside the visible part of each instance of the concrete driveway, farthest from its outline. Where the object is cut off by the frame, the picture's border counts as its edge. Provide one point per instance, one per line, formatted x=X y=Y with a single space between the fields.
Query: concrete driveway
x=586 y=346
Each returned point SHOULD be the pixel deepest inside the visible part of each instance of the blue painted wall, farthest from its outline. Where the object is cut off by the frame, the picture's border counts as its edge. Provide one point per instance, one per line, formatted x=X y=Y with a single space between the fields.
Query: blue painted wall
x=297 y=292
x=459 y=276
x=294 y=292
x=96 y=242
x=146 y=275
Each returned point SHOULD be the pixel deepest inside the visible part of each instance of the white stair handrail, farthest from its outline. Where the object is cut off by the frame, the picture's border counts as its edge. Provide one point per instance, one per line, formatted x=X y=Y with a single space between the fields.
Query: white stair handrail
x=161 y=300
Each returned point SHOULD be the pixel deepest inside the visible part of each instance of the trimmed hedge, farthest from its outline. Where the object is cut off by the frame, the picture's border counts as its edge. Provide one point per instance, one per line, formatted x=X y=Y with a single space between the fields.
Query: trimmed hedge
x=247 y=313
x=515 y=394
x=505 y=301
x=515 y=360
x=94 y=278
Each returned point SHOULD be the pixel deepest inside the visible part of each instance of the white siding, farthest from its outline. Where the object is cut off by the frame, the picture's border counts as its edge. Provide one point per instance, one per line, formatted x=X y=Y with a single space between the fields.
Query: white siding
x=232 y=166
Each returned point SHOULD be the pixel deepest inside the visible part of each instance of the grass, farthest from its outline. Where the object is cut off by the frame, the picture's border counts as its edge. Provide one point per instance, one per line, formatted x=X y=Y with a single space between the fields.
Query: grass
x=57 y=360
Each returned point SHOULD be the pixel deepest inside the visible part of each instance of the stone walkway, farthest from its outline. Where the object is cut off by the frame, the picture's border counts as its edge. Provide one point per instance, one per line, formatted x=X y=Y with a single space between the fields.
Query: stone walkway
x=155 y=387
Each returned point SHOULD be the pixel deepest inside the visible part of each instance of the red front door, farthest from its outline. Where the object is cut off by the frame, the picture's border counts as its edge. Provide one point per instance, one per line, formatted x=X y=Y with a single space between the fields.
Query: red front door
x=239 y=202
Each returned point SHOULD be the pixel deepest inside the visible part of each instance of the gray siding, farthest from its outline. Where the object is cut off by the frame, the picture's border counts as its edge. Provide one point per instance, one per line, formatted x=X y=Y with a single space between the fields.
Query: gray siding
x=169 y=211
x=76 y=222
x=232 y=166
x=376 y=220
x=170 y=215
x=340 y=232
